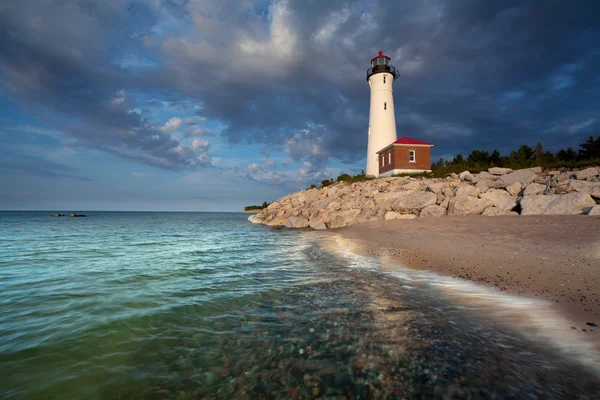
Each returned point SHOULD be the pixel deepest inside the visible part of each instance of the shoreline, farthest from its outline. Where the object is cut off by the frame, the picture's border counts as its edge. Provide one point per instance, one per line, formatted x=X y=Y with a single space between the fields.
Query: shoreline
x=554 y=258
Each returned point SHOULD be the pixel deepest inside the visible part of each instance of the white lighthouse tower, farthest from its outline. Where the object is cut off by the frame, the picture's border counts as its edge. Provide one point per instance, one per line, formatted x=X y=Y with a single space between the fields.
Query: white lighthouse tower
x=382 y=122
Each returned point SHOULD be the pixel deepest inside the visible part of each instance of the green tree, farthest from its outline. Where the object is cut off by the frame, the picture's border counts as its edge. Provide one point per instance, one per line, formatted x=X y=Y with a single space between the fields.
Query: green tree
x=495 y=158
x=590 y=149
x=567 y=155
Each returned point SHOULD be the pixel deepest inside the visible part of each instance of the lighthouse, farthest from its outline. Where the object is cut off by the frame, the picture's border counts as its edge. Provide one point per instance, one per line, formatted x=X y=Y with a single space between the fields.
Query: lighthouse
x=382 y=123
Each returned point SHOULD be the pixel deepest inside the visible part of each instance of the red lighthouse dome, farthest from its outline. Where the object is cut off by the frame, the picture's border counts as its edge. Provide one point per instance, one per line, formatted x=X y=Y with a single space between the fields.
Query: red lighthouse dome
x=381 y=63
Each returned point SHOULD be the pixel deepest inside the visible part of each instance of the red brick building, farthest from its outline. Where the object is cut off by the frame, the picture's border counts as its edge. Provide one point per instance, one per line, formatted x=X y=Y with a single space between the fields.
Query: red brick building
x=405 y=156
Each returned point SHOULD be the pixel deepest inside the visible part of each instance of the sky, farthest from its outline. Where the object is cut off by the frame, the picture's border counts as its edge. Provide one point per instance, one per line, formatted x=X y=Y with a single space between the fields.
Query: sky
x=205 y=105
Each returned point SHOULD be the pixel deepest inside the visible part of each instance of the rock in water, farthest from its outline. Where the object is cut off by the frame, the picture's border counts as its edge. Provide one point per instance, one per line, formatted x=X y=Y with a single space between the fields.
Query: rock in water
x=570 y=203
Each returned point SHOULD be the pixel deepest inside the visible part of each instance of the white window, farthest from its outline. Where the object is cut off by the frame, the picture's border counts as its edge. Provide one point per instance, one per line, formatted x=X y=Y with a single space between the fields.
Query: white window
x=384 y=78
x=384 y=105
x=389 y=158
x=412 y=156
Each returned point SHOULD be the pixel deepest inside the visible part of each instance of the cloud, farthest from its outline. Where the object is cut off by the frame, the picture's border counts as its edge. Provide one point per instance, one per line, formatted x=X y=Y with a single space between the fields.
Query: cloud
x=171 y=125
x=266 y=72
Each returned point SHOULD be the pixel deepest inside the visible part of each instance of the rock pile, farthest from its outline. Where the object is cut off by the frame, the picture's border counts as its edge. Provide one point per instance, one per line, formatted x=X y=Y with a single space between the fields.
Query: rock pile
x=499 y=191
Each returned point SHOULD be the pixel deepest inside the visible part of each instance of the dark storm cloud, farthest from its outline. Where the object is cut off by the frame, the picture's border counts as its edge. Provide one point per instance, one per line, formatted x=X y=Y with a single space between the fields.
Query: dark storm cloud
x=291 y=74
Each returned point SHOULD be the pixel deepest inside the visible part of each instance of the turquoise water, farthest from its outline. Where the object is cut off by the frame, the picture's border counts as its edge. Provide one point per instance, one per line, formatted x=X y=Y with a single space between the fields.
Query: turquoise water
x=207 y=305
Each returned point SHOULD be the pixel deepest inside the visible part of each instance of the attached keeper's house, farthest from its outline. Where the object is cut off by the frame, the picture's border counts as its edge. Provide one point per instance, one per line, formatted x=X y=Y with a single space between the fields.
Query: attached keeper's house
x=405 y=156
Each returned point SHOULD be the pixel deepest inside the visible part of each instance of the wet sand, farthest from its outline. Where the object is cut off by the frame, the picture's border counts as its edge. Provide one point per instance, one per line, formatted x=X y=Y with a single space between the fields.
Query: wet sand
x=556 y=258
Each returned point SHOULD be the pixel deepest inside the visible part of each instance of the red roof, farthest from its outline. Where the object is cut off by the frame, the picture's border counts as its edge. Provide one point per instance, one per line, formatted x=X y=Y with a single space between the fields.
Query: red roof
x=381 y=55
x=407 y=140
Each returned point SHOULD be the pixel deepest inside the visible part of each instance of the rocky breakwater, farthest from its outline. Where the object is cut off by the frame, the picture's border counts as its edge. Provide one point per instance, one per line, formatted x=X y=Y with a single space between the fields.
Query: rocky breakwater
x=498 y=191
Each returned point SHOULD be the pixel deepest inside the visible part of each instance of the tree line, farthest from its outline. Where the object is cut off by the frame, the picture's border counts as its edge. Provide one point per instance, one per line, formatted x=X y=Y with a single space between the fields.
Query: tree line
x=524 y=157
x=263 y=205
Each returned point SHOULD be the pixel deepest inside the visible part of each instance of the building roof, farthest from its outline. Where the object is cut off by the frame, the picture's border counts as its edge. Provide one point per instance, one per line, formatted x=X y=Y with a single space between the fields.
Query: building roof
x=407 y=140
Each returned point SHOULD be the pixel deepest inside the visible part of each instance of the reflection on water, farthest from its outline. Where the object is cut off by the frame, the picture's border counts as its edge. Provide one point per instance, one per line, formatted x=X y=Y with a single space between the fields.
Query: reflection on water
x=284 y=320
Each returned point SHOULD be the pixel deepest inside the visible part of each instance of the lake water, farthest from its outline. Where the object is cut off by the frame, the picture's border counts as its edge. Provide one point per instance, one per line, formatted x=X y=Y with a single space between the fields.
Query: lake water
x=209 y=306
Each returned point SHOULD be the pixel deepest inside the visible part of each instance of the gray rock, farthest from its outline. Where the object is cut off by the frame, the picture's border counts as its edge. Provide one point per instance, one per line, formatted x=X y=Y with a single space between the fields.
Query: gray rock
x=322 y=217
x=465 y=176
x=533 y=189
x=595 y=210
x=485 y=175
x=482 y=185
x=464 y=189
x=437 y=187
x=467 y=205
x=387 y=197
x=592 y=188
x=414 y=185
x=514 y=189
x=536 y=170
x=448 y=192
x=445 y=203
x=587 y=173
x=396 y=215
x=494 y=211
x=501 y=199
x=296 y=222
x=523 y=176
x=344 y=218
x=433 y=211
x=499 y=171
x=570 y=203
x=320 y=226
x=414 y=201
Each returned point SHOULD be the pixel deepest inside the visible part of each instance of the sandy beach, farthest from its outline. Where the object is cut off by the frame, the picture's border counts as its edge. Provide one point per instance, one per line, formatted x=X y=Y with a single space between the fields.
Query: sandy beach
x=553 y=257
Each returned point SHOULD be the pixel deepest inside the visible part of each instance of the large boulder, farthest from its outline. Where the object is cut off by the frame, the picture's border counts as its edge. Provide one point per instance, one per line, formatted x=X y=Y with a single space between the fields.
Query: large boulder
x=467 y=205
x=319 y=219
x=413 y=185
x=466 y=176
x=499 y=171
x=501 y=199
x=433 y=211
x=344 y=218
x=396 y=215
x=570 y=203
x=464 y=189
x=387 y=197
x=587 y=173
x=514 y=189
x=592 y=188
x=414 y=201
x=523 y=176
x=485 y=175
x=533 y=189
x=437 y=187
x=482 y=185
x=296 y=222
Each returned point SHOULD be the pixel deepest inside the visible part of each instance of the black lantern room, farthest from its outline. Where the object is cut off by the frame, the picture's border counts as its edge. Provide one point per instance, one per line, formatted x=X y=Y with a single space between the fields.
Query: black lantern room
x=382 y=63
